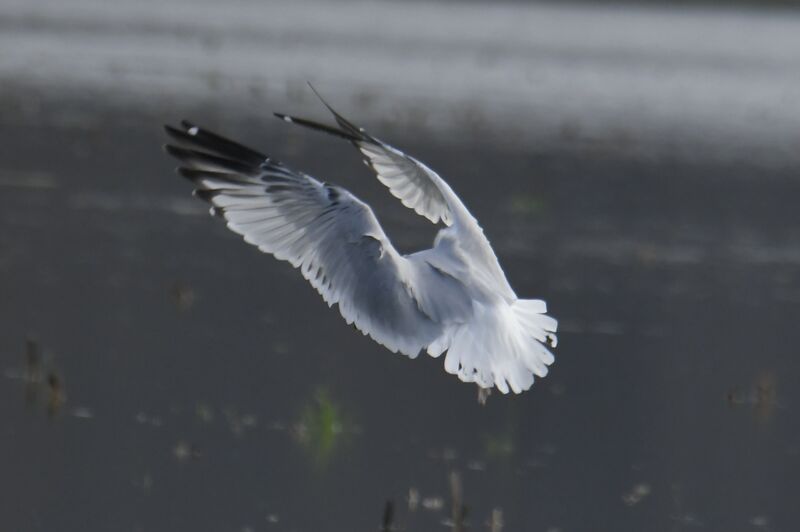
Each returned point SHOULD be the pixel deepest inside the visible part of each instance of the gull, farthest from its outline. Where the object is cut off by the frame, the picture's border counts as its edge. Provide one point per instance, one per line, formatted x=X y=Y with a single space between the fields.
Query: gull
x=451 y=299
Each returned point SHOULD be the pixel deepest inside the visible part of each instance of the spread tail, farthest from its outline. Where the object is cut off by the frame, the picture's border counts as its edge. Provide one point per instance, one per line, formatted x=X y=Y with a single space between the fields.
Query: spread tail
x=503 y=345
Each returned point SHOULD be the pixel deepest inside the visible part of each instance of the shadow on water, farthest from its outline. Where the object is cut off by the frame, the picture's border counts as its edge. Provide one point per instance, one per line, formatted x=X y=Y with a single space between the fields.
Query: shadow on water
x=179 y=379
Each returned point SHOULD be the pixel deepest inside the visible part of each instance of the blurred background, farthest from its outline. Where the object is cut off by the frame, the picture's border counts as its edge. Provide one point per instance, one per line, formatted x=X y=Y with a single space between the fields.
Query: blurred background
x=634 y=164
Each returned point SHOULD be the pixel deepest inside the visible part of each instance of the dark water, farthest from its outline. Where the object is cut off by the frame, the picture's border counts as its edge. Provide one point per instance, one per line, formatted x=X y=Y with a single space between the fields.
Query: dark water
x=177 y=379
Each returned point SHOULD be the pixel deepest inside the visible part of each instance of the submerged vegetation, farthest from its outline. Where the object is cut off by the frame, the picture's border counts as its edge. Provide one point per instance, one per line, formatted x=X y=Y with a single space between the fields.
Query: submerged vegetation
x=323 y=427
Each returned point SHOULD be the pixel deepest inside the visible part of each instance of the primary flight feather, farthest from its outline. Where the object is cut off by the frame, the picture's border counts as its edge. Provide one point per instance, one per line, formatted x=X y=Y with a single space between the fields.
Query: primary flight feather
x=452 y=299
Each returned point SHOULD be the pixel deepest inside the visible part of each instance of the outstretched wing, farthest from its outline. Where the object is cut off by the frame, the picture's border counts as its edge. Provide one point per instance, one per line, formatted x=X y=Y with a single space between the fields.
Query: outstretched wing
x=423 y=190
x=326 y=232
x=414 y=184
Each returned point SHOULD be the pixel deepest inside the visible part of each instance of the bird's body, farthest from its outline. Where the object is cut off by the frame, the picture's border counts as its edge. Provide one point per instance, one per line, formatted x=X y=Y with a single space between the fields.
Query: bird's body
x=452 y=298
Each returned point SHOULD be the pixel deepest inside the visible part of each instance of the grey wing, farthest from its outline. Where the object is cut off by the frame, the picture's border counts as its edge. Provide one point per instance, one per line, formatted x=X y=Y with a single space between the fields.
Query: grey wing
x=414 y=184
x=326 y=232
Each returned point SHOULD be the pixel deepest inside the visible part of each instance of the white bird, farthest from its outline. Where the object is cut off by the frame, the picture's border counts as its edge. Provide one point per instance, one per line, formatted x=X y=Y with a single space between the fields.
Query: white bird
x=453 y=298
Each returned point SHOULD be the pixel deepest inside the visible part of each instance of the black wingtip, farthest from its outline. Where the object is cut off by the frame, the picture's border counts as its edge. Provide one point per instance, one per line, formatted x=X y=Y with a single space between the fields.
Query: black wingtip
x=181 y=132
x=187 y=173
x=318 y=95
x=170 y=150
x=173 y=132
x=194 y=175
x=205 y=195
x=317 y=126
x=202 y=139
x=345 y=124
x=188 y=156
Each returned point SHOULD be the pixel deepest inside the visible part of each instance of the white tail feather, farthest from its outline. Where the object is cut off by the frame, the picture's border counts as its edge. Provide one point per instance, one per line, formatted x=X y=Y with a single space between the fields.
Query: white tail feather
x=502 y=345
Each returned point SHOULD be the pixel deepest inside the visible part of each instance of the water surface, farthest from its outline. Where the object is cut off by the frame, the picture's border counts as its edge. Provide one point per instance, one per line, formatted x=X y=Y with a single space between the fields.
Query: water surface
x=177 y=379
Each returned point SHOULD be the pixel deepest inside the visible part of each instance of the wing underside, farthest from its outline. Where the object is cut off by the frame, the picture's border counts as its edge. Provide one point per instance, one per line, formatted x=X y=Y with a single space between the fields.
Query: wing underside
x=414 y=184
x=323 y=230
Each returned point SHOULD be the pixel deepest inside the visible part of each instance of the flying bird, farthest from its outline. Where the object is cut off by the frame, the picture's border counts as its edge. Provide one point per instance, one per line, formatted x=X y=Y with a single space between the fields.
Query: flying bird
x=451 y=299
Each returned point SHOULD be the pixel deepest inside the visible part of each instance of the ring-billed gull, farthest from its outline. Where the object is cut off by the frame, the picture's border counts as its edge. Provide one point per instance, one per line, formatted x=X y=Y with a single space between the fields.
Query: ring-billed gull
x=453 y=298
